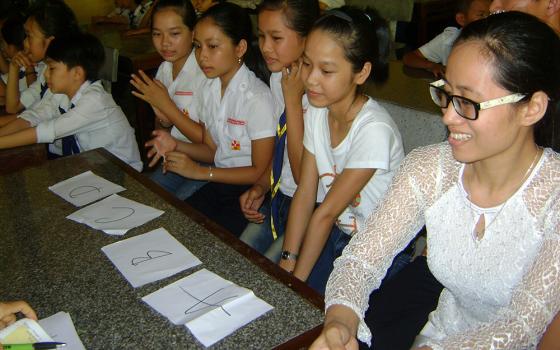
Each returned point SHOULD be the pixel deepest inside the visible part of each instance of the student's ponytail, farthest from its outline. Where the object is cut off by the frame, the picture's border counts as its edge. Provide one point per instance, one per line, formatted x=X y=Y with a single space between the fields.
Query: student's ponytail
x=364 y=36
x=234 y=21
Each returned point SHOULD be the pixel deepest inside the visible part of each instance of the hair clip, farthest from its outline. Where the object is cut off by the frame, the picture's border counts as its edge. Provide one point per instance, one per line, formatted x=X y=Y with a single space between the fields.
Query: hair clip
x=339 y=14
x=368 y=17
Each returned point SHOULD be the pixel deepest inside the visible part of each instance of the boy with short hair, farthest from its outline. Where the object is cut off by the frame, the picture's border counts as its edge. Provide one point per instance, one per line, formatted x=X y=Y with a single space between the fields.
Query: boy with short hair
x=433 y=55
x=81 y=115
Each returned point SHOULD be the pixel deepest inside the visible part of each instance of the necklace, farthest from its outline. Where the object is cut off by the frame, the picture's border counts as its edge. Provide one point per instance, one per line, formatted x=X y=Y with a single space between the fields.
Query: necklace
x=479 y=232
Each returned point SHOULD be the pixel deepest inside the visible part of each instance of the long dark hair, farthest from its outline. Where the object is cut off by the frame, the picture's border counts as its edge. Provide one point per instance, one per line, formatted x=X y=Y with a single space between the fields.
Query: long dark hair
x=54 y=18
x=235 y=23
x=299 y=14
x=363 y=35
x=525 y=54
x=184 y=8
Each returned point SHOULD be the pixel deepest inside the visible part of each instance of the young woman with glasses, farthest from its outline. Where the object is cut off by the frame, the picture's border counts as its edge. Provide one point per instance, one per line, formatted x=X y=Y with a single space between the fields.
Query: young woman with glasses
x=489 y=196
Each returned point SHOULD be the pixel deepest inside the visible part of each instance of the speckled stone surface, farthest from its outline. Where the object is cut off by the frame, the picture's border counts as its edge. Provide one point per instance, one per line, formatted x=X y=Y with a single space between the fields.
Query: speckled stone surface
x=57 y=265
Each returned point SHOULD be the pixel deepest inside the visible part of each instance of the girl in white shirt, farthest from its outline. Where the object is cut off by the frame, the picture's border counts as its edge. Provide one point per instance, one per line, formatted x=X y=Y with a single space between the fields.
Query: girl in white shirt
x=352 y=146
x=237 y=109
x=176 y=85
x=47 y=20
x=489 y=198
x=283 y=28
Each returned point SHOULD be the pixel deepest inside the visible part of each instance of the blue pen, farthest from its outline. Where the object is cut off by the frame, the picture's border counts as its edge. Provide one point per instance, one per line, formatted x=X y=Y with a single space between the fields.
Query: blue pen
x=34 y=346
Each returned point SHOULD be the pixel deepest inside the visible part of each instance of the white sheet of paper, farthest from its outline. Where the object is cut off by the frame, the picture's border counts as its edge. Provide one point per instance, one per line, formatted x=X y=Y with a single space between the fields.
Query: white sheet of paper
x=24 y=331
x=85 y=188
x=214 y=326
x=115 y=215
x=61 y=328
x=208 y=304
x=150 y=257
x=193 y=296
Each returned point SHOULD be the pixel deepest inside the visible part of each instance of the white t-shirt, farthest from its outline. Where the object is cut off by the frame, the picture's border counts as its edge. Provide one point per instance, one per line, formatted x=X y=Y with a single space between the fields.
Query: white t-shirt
x=184 y=89
x=373 y=142
x=438 y=49
x=288 y=185
x=33 y=93
x=246 y=112
x=95 y=120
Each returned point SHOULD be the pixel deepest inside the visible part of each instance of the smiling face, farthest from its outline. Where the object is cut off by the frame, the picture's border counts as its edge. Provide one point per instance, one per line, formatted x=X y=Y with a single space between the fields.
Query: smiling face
x=328 y=76
x=280 y=45
x=470 y=74
x=35 y=43
x=171 y=37
x=215 y=52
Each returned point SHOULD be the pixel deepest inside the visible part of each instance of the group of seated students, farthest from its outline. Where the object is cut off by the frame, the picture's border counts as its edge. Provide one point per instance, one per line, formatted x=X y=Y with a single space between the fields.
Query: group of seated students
x=339 y=187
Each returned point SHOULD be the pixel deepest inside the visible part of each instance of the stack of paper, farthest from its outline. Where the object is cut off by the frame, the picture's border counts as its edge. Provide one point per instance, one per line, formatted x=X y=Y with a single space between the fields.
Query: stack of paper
x=208 y=305
x=150 y=257
x=115 y=215
x=85 y=188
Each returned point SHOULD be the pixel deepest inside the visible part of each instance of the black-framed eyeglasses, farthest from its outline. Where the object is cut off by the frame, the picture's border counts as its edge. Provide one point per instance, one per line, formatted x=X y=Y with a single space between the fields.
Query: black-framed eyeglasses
x=465 y=107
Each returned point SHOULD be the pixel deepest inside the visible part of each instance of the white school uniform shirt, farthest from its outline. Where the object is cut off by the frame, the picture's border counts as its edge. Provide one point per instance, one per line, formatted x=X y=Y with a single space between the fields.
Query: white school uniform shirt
x=184 y=89
x=246 y=112
x=288 y=185
x=139 y=13
x=119 y=11
x=22 y=84
x=95 y=120
x=32 y=94
x=438 y=49
x=373 y=142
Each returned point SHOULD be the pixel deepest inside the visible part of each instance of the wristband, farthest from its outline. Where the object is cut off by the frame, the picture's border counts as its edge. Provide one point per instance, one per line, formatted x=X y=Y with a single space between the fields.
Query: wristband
x=210 y=174
x=286 y=255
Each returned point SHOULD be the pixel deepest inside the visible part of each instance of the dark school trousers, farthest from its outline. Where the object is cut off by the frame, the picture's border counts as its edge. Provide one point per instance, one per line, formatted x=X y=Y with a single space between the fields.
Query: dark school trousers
x=220 y=203
x=399 y=309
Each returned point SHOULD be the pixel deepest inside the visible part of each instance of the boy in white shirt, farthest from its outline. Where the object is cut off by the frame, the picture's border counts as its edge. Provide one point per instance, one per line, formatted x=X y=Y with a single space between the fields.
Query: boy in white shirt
x=81 y=115
x=432 y=56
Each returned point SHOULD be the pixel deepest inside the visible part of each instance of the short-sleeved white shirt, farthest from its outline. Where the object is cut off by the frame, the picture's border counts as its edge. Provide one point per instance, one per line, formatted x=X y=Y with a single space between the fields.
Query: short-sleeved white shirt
x=373 y=142
x=33 y=93
x=288 y=185
x=22 y=84
x=184 y=89
x=246 y=112
x=438 y=49
x=139 y=13
x=95 y=120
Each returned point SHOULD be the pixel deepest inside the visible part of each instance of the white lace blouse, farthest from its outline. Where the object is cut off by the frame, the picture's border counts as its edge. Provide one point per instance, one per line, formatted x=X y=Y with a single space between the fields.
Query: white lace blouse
x=500 y=291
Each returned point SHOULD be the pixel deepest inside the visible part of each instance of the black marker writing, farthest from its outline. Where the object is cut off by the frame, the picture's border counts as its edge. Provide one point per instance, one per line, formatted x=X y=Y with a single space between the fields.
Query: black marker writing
x=150 y=255
x=202 y=301
x=81 y=190
x=130 y=212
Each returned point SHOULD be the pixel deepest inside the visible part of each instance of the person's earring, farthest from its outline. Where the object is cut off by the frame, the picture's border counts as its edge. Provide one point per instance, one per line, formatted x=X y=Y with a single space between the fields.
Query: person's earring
x=239 y=60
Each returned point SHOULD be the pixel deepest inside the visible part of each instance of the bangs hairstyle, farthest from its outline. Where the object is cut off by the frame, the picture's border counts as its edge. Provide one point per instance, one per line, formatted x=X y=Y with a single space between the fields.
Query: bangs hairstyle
x=364 y=37
x=184 y=9
x=235 y=23
x=299 y=14
x=524 y=53
x=54 y=18
x=79 y=50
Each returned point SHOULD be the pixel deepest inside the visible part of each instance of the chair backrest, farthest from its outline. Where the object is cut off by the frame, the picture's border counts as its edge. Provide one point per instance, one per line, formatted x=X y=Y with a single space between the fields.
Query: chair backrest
x=108 y=72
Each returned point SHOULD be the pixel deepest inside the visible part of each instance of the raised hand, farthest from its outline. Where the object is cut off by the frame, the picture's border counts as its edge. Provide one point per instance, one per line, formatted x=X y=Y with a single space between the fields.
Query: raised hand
x=161 y=144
